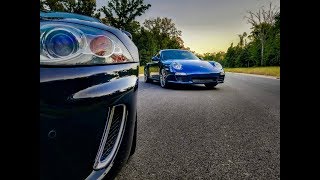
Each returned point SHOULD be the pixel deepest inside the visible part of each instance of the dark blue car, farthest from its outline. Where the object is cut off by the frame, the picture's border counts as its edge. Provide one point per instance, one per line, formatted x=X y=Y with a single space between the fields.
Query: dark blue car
x=175 y=66
x=88 y=96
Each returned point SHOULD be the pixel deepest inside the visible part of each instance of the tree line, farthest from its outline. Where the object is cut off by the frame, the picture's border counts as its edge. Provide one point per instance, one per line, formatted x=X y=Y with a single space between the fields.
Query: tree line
x=260 y=48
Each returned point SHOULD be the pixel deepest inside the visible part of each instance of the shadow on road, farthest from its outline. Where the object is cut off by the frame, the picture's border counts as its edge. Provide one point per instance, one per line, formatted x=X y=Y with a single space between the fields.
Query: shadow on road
x=192 y=87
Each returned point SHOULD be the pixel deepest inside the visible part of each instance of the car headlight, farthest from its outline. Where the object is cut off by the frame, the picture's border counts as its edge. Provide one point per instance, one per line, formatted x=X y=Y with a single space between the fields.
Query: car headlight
x=218 y=65
x=176 y=65
x=62 y=44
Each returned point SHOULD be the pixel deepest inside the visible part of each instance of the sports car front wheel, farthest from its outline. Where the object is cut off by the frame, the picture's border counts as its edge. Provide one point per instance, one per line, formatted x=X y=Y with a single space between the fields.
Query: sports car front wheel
x=163 y=78
x=210 y=85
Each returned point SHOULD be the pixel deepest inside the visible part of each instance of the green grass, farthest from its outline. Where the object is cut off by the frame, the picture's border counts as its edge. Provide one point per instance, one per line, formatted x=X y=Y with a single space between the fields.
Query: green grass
x=141 y=69
x=153 y=69
x=268 y=71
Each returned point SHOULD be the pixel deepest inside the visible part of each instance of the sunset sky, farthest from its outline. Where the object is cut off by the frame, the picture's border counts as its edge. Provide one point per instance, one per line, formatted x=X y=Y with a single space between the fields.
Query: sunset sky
x=206 y=25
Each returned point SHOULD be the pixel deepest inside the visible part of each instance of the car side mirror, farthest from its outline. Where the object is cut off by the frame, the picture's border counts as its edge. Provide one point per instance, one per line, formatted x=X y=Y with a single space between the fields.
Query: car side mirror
x=155 y=58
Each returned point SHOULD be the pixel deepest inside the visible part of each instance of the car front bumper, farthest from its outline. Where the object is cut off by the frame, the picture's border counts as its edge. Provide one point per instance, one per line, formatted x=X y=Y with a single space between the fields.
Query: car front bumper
x=195 y=78
x=74 y=107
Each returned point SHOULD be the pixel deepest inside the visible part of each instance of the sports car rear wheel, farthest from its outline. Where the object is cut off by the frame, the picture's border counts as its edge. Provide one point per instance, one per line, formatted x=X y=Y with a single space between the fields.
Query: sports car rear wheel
x=211 y=85
x=163 y=78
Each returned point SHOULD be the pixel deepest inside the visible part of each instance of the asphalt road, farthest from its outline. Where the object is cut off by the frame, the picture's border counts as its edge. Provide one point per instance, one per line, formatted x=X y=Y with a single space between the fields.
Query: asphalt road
x=230 y=132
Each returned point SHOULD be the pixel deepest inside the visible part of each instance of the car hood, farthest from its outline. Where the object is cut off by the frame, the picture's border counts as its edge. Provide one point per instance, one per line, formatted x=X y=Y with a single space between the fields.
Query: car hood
x=66 y=15
x=194 y=66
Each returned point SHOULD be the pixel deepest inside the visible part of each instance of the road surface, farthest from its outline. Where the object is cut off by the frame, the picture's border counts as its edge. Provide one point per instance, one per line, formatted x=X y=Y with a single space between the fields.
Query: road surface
x=230 y=132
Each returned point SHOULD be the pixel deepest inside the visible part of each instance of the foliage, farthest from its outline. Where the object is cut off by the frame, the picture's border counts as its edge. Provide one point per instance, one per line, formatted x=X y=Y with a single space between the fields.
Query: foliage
x=219 y=56
x=84 y=7
x=154 y=35
x=263 y=48
x=120 y=13
x=163 y=26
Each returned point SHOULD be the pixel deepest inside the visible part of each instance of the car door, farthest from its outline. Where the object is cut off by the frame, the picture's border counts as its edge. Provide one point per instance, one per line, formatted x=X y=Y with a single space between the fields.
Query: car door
x=154 y=68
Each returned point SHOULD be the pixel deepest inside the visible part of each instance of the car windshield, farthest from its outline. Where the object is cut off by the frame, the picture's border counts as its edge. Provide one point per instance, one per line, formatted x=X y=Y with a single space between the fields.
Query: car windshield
x=178 y=54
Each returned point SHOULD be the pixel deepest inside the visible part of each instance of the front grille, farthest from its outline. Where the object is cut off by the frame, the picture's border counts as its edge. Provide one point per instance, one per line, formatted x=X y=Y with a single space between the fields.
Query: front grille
x=111 y=137
x=204 y=80
x=182 y=78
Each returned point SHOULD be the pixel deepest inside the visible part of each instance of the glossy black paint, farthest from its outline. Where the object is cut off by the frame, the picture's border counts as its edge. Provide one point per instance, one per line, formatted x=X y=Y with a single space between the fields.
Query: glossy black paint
x=74 y=104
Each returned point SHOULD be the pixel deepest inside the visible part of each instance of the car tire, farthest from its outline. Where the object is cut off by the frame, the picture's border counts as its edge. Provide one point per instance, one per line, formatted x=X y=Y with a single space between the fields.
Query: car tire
x=146 y=78
x=211 y=85
x=163 y=80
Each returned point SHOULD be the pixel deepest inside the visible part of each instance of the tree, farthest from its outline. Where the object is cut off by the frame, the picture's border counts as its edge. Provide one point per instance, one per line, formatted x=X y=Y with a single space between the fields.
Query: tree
x=261 y=21
x=220 y=56
x=146 y=44
x=53 y=5
x=162 y=26
x=84 y=7
x=164 y=32
x=208 y=56
x=272 y=47
x=120 y=13
x=42 y=5
x=242 y=40
x=230 y=56
x=154 y=35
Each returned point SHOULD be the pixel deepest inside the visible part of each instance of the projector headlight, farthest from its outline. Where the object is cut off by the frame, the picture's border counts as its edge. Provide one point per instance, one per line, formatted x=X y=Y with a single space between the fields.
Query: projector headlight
x=62 y=44
x=176 y=65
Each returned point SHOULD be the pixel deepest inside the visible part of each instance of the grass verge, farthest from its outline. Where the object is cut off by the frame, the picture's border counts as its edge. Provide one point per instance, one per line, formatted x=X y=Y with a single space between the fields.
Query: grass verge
x=141 y=69
x=268 y=71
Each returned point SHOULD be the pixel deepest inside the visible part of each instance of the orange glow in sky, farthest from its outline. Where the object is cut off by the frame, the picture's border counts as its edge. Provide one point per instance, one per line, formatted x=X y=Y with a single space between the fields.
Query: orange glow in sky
x=206 y=25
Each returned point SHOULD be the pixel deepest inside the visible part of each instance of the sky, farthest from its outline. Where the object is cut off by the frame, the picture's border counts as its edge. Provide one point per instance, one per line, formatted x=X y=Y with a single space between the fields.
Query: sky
x=206 y=25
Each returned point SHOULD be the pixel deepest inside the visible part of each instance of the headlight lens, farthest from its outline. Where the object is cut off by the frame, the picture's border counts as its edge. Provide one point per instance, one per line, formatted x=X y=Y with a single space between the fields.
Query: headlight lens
x=62 y=44
x=102 y=46
x=218 y=65
x=176 y=65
